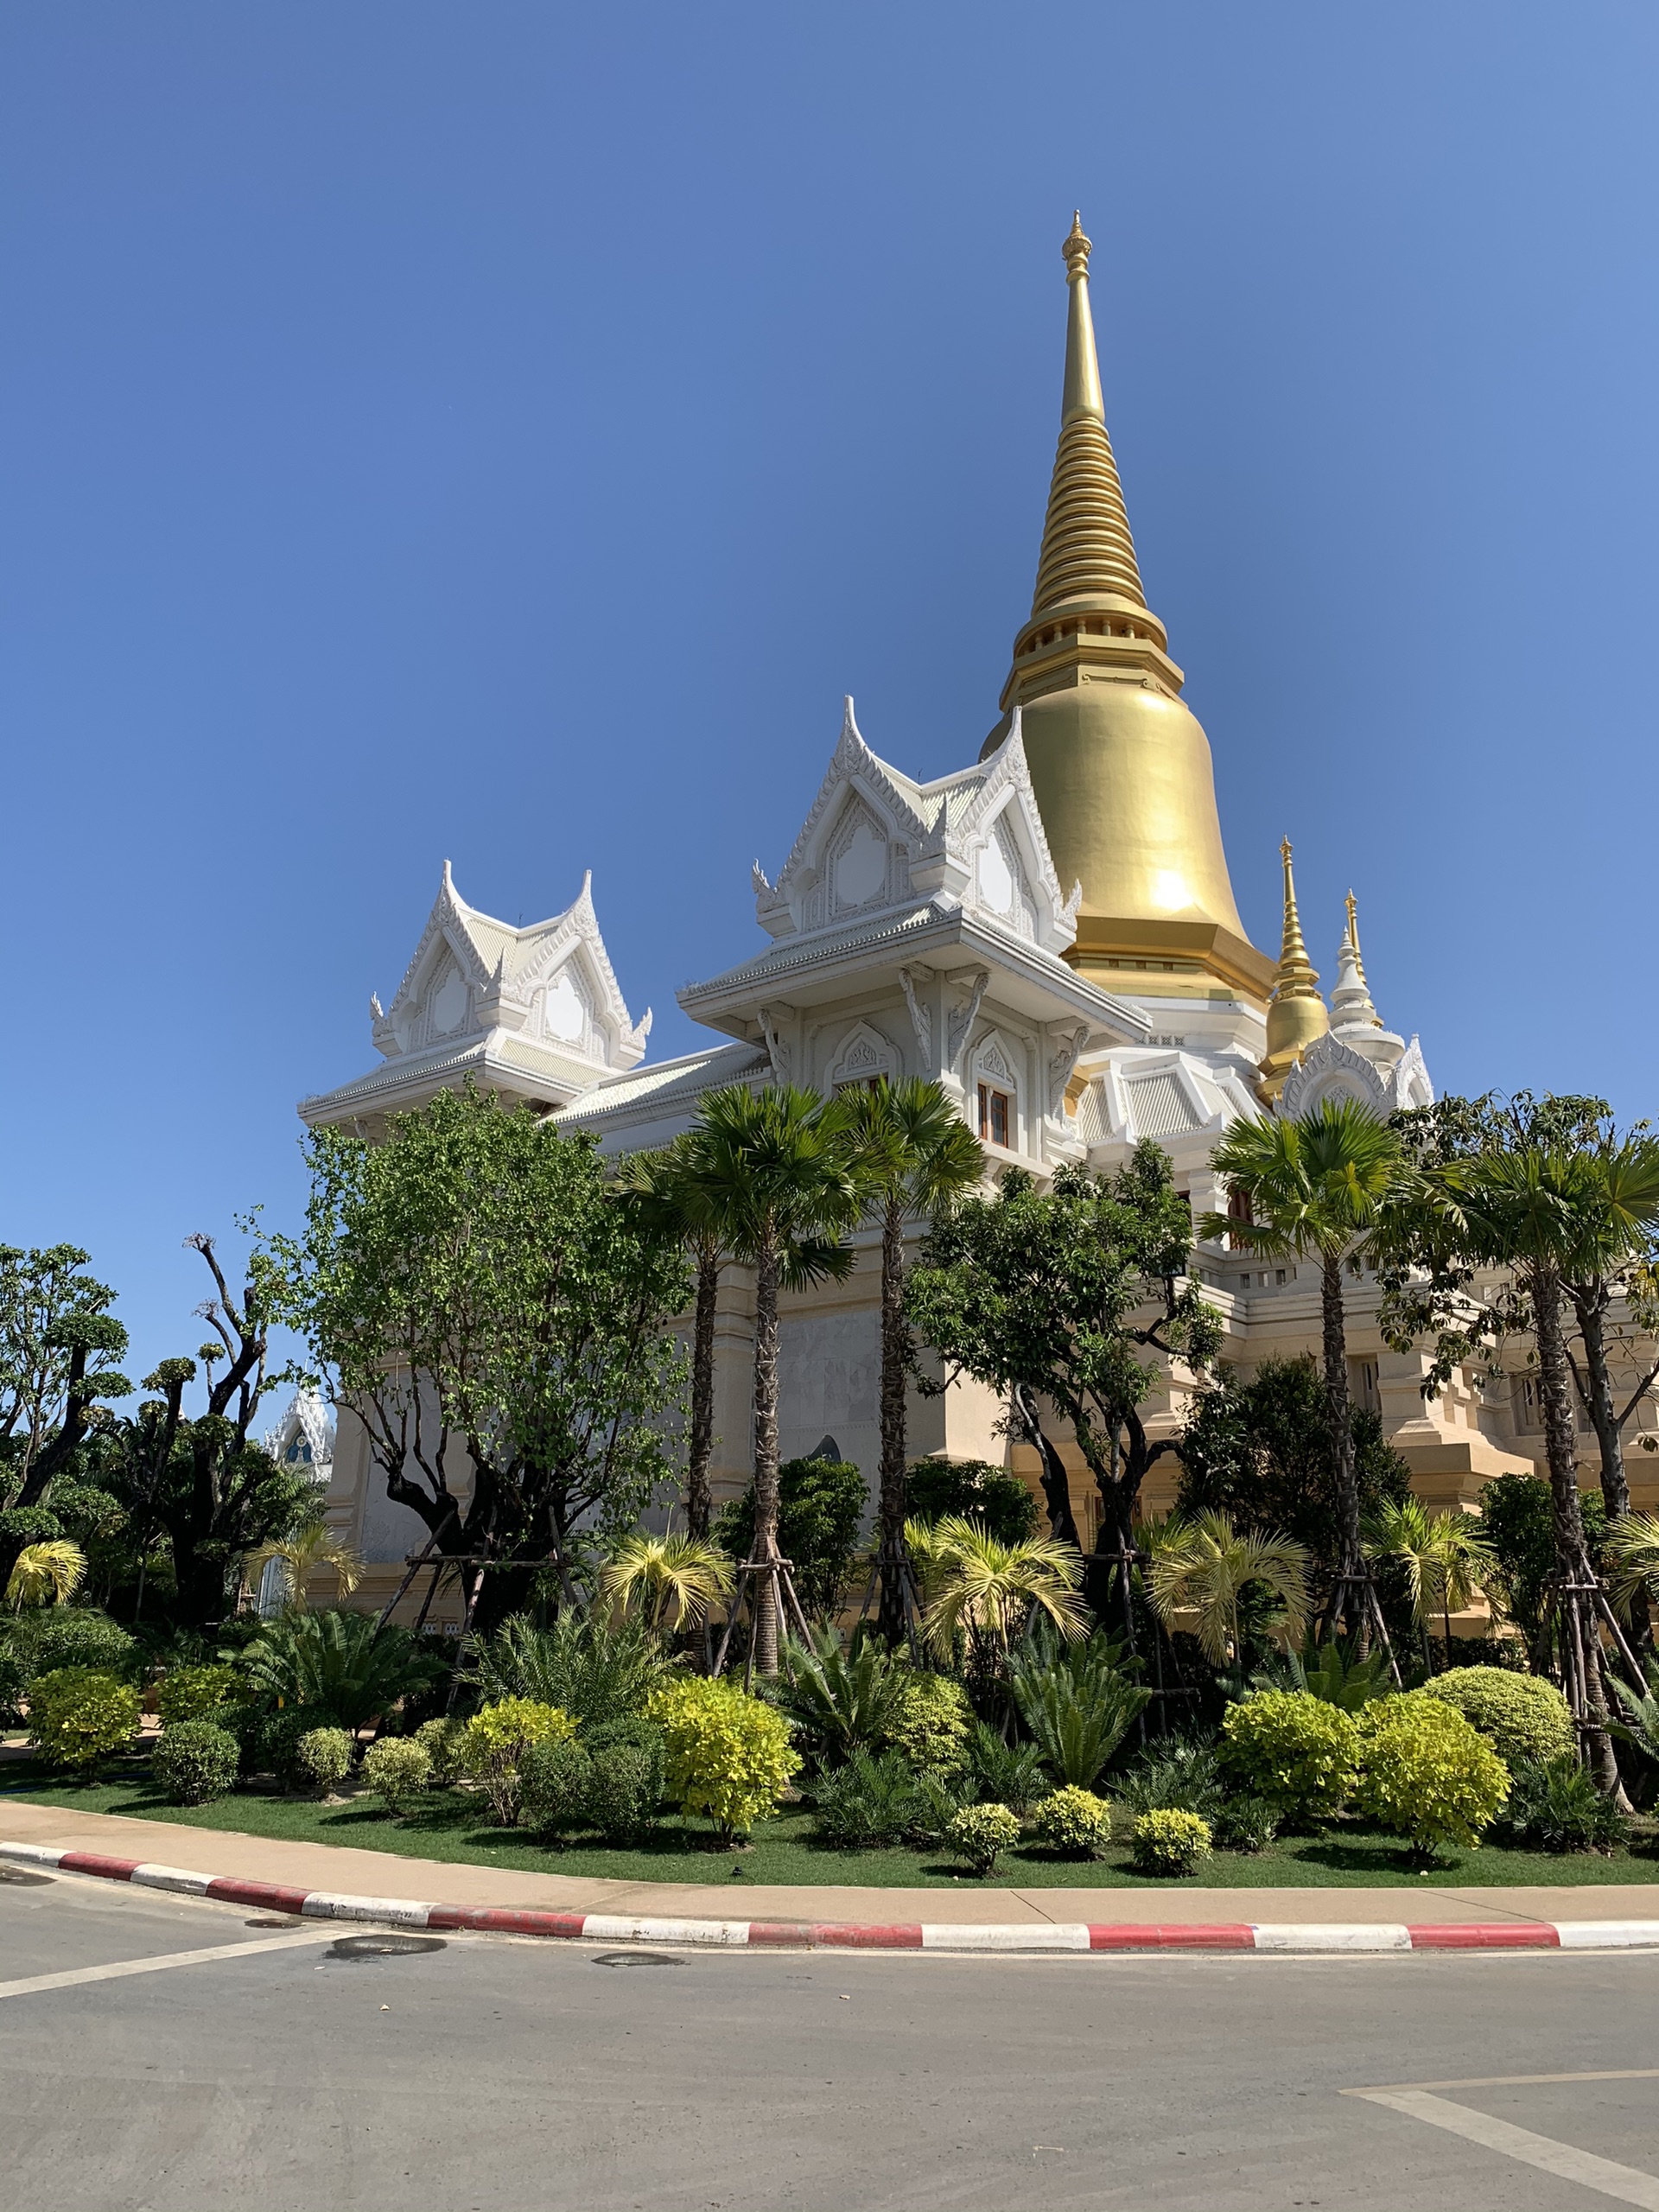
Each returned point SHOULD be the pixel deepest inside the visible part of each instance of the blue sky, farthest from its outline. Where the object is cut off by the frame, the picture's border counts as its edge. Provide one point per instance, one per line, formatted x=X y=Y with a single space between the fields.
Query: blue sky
x=505 y=431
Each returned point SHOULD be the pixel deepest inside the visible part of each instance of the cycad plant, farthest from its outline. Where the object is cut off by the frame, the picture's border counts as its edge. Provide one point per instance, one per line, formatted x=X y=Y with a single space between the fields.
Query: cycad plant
x=1319 y=1188
x=975 y=1586
x=48 y=1574
x=844 y=1701
x=1443 y=1557
x=310 y=1550
x=1204 y=1566
x=675 y=1579
x=1078 y=1705
x=594 y=1670
x=338 y=1661
x=914 y=1154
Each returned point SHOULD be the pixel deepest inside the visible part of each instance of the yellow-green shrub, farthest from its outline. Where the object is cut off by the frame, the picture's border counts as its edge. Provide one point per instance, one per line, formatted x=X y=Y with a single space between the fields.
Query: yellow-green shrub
x=978 y=1833
x=323 y=1755
x=195 y=1761
x=77 y=1716
x=1075 y=1821
x=497 y=1738
x=729 y=1755
x=1522 y=1716
x=395 y=1769
x=1169 y=1842
x=198 y=1692
x=930 y=1723
x=1427 y=1774
x=1298 y=1753
x=445 y=1744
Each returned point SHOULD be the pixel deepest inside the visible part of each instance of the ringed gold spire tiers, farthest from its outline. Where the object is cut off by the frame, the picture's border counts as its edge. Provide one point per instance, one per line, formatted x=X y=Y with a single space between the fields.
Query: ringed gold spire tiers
x=1297 y=1015
x=1120 y=766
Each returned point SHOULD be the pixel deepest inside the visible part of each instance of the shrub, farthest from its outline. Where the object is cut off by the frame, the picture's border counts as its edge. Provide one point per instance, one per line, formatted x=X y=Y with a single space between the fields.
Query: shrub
x=340 y=1659
x=930 y=1722
x=497 y=1738
x=611 y=1781
x=728 y=1755
x=553 y=1781
x=1169 y=1842
x=1425 y=1773
x=1522 y=1716
x=1298 y=1751
x=270 y=1741
x=821 y=1505
x=592 y=1670
x=845 y=1702
x=869 y=1802
x=323 y=1755
x=1075 y=1821
x=1554 y=1806
x=1079 y=1707
x=625 y=1789
x=444 y=1743
x=979 y=1833
x=1005 y=1774
x=1247 y=1824
x=397 y=1769
x=78 y=1716
x=75 y=1636
x=938 y=1490
x=197 y=1692
x=195 y=1761
x=1180 y=1775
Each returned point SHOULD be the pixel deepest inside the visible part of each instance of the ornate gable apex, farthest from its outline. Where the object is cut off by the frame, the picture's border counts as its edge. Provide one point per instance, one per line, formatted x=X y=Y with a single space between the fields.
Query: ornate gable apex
x=983 y=805
x=854 y=774
x=492 y=974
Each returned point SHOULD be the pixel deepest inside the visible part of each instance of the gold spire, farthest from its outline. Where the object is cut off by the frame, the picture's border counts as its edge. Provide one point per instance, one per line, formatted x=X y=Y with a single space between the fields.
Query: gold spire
x=1353 y=935
x=1297 y=1014
x=1352 y=1000
x=1087 y=547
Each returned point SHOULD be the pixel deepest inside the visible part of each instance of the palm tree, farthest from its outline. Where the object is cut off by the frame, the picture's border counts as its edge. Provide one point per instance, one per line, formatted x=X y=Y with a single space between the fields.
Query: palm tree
x=308 y=1552
x=915 y=1155
x=973 y=1583
x=1632 y=1544
x=680 y=1577
x=1319 y=1187
x=1204 y=1566
x=1617 y=1218
x=45 y=1574
x=1444 y=1559
x=775 y=1164
x=673 y=1198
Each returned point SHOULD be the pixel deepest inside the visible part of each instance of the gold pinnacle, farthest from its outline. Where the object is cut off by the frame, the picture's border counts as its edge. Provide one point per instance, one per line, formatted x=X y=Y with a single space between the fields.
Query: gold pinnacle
x=1077 y=249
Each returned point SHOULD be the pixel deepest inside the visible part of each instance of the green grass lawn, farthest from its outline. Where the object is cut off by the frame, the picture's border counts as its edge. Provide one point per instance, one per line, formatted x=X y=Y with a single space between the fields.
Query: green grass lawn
x=454 y=1825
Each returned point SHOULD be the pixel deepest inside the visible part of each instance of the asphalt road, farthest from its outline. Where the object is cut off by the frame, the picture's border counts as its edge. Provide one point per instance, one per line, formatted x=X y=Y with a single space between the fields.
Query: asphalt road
x=477 y=2073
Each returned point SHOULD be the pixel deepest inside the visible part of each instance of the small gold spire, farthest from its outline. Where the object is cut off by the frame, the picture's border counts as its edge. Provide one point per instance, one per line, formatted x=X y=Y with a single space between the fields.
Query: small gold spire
x=1297 y=1014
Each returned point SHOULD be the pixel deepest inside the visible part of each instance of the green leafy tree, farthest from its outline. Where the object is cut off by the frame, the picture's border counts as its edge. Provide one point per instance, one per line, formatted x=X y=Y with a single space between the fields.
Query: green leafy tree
x=821 y=1505
x=1061 y=1294
x=777 y=1163
x=972 y=1489
x=1319 y=1187
x=471 y=1291
x=914 y=1154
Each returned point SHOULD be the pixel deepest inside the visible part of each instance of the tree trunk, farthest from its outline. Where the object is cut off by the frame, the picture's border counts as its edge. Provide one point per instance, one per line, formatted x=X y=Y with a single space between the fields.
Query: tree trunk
x=764 y=1591
x=702 y=1396
x=1580 y=1629
x=1349 y=1602
x=1056 y=1483
x=891 y=1516
x=1590 y=1305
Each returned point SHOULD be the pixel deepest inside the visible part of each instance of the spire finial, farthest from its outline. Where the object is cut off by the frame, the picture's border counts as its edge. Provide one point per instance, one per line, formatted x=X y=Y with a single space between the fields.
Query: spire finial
x=1351 y=1003
x=1296 y=1016
x=1298 y=978
x=1077 y=250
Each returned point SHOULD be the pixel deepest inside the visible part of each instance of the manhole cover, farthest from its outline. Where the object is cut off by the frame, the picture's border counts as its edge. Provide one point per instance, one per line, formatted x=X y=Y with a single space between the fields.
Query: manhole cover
x=273 y=1923
x=22 y=1878
x=635 y=1959
x=384 y=1947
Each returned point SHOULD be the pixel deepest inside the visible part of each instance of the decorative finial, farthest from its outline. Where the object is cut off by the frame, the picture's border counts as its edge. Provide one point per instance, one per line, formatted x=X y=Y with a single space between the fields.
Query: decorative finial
x=1353 y=919
x=1296 y=1015
x=1077 y=249
x=1285 y=850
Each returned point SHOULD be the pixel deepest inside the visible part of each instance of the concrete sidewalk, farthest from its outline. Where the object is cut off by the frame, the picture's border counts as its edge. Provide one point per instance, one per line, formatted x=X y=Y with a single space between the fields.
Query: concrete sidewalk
x=384 y=1873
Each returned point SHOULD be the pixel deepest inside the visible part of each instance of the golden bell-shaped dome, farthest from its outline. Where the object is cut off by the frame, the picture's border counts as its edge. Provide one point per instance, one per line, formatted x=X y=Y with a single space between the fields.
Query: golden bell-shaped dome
x=1297 y=1016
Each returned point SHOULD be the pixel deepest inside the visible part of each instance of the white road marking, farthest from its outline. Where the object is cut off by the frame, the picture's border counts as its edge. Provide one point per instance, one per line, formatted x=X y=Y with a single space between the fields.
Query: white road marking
x=1623 y=2184
x=73 y=1976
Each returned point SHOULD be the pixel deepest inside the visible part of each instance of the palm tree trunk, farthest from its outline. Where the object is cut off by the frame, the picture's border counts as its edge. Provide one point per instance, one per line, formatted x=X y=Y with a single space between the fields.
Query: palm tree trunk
x=1599 y=1402
x=1580 y=1631
x=891 y=1515
x=764 y=1587
x=702 y=1395
x=1349 y=1600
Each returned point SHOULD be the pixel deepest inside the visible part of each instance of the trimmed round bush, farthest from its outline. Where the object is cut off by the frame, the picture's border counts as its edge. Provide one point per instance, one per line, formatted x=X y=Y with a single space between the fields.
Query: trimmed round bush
x=198 y=1693
x=1522 y=1716
x=271 y=1741
x=553 y=1779
x=1426 y=1774
x=195 y=1761
x=78 y=1716
x=979 y=1833
x=395 y=1769
x=323 y=1757
x=1075 y=1821
x=931 y=1723
x=445 y=1744
x=1247 y=1824
x=1170 y=1843
x=496 y=1740
x=1296 y=1752
x=624 y=1790
x=727 y=1754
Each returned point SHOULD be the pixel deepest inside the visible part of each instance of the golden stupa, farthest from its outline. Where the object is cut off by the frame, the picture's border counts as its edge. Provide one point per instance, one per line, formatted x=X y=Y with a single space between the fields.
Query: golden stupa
x=1297 y=1015
x=1120 y=766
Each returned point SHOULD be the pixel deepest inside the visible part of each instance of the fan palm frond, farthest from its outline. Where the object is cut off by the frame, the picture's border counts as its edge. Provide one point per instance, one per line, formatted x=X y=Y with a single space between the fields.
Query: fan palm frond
x=677 y=1579
x=974 y=1583
x=1204 y=1566
x=45 y=1574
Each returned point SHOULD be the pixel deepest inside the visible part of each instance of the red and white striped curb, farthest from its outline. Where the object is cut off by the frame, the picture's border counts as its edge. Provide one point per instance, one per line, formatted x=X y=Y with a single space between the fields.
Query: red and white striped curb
x=1324 y=1937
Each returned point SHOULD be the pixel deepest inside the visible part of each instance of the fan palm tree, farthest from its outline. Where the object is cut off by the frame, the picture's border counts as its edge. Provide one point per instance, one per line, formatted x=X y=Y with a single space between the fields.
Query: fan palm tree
x=1318 y=1188
x=1632 y=1544
x=677 y=1579
x=1204 y=1566
x=775 y=1164
x=988 y=1589
x=45 y=1574
x=1443 y=1556
x=308 y=1551
x=914 y=1155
